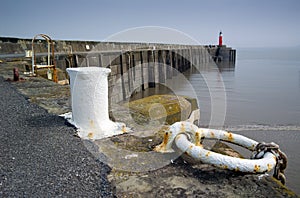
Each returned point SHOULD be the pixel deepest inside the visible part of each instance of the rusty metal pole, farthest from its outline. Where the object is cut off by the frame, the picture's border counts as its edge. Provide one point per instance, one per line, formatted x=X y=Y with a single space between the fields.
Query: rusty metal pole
x=16 y=74
x=33 y=58
x=50 y=42
x=55 y=79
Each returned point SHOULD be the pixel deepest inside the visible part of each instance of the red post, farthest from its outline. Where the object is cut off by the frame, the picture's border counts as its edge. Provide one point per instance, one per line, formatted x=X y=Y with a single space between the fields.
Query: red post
x=220 y=39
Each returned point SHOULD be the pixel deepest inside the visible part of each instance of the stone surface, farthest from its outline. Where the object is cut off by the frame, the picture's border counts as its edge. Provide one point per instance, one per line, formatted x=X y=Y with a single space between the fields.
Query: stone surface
x=165 y=108
x=155 y=175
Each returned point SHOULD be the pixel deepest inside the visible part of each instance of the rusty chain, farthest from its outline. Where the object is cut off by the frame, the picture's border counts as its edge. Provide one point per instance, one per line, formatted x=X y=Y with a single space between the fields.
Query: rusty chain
x=281 y=158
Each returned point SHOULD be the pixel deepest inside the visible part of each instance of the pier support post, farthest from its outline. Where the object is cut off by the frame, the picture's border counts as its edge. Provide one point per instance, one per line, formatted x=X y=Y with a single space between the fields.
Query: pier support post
x=151 y=69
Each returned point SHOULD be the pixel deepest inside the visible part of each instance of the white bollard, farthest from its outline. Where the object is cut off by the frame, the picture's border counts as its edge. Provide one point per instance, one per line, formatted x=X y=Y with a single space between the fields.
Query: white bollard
x=89 y=93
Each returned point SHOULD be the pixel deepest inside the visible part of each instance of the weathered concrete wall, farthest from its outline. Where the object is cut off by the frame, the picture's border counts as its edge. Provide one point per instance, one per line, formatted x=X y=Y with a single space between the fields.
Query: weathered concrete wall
x=134 y=71
x=221 y=53
x=18 y=46
x=135 y=66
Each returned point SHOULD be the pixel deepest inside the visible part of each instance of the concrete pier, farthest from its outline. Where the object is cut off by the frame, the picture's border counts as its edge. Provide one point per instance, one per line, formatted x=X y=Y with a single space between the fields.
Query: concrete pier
x=135 y=66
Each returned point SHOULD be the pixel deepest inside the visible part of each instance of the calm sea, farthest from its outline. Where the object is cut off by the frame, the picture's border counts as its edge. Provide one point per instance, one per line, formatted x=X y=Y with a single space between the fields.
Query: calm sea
x=263 y=94
x=260 y=95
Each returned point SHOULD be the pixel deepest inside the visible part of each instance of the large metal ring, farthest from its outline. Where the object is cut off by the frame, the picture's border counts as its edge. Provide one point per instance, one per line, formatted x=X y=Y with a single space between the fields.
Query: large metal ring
x=195 y=149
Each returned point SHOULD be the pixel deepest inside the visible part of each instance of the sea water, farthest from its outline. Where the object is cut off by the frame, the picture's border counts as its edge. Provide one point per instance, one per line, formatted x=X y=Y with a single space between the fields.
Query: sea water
x=260 y=95
x=263 y=94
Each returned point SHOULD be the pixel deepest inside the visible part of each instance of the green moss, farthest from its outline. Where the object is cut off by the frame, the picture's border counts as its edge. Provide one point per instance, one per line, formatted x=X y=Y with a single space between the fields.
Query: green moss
x=167 y=108
x=61 y=75
x=223 y=148
x=282 y=188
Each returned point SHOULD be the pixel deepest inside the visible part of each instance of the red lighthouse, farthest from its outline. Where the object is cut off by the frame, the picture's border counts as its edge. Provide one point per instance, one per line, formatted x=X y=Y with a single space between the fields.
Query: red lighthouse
x=220 y=39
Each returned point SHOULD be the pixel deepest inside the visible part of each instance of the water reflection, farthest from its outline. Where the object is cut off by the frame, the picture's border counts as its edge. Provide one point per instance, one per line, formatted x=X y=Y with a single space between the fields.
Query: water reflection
x=226 y=66
x=203 y=81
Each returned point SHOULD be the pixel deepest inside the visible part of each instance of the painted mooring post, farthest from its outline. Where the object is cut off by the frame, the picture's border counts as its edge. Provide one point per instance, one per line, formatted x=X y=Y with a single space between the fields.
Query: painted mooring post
x=89 y=92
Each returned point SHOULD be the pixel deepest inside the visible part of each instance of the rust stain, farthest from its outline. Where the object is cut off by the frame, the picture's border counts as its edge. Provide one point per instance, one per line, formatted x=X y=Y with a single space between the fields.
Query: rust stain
x=212 y=134
x=166 y=138
x=162 y=146
x=182 y=128
x=90 y=135
x=191 y=146
x=269 y=167
x=207 y=154
x=124 y=129
x=256 y=168
x=230 y=136
x=198 y=138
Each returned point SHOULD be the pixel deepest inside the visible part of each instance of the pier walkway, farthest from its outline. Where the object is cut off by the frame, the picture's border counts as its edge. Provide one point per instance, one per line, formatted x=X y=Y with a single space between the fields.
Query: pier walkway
x=40 y=156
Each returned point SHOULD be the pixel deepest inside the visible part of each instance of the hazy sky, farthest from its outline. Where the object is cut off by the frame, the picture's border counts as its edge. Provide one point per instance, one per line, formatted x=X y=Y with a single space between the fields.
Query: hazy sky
x=244 y=23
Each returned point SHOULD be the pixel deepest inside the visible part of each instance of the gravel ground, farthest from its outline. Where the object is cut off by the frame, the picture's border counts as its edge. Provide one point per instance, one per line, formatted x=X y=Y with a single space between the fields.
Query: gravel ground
x=41 y=157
